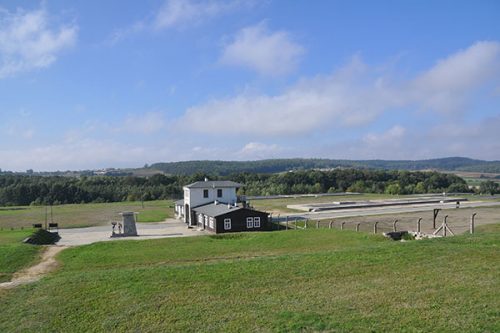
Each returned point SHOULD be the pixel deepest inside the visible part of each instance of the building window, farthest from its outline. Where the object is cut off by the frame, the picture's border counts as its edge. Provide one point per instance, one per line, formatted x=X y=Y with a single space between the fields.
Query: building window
x=205 y=193
x=211 y=223
x=200 y=219
x=206 y=221
x=227 y=224
x=249 y=222
x=256 y=222
x=219 y=193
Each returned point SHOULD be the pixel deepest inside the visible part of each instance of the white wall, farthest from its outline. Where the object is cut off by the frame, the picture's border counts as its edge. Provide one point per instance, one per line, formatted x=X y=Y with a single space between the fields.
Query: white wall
x=195 y=196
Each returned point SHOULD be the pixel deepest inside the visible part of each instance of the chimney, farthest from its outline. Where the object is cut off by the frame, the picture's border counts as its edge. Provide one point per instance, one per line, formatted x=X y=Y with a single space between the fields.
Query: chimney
x=228 y=206
x=216 y=202
x=206 y=179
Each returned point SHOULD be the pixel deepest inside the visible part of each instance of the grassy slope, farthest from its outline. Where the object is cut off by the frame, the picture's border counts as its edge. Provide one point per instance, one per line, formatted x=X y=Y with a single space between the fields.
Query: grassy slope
x=14 y=254
x=80 y=215
x=310 y=280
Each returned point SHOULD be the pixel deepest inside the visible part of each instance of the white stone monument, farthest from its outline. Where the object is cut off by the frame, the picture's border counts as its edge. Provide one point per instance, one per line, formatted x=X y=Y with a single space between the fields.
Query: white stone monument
x=129 y=228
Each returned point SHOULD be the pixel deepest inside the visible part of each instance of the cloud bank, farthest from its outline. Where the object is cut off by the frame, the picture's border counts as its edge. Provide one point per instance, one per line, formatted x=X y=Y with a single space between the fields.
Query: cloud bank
x=28 y=42
x=353 y=96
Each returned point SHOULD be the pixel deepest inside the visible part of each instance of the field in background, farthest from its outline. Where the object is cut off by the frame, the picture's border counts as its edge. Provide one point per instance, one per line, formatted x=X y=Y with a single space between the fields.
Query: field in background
x=476 y=178
x=279 y=206
x=84 y=215
x=293 y=281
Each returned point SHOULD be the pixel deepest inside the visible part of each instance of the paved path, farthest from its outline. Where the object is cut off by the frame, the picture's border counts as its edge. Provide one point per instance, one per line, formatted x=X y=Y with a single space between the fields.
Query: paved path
x=169 y=228
x=34 y=273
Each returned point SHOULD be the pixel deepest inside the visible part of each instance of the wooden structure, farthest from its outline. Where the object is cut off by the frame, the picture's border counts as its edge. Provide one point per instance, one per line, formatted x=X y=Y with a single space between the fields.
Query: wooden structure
x=222 y=218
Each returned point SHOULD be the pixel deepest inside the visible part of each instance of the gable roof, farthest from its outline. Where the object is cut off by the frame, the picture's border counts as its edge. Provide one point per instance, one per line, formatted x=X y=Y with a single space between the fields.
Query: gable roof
x=214 y=184
x=214 y=210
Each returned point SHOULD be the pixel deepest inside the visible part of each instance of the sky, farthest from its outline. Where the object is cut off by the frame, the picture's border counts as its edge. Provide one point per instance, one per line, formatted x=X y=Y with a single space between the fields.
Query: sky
x=90 y=84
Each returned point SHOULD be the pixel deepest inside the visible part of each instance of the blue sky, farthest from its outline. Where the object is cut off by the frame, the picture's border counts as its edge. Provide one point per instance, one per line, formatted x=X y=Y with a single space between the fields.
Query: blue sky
x=94 y=84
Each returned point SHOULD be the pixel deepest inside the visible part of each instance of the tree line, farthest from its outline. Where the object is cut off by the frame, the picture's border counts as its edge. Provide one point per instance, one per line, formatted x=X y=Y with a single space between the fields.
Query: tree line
x=225 y=168
x=38 y=190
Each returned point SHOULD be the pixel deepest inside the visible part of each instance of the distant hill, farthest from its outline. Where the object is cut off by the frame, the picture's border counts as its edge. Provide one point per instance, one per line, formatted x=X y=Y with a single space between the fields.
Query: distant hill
x=280 y=165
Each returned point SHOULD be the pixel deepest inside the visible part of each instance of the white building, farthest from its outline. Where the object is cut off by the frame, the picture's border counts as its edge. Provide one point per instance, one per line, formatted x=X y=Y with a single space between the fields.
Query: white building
x=201 y=193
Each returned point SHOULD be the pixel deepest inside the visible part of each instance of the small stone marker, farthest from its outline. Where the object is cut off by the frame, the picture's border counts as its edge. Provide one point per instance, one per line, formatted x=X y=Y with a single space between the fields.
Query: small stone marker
x=129 y=228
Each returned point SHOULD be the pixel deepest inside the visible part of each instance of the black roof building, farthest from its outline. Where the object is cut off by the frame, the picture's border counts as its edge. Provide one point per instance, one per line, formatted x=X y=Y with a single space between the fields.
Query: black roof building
x=222 y=218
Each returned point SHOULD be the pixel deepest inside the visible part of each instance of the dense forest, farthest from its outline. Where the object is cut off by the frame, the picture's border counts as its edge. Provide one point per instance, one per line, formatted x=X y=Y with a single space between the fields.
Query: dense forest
x=225 y=168
x=38 y=190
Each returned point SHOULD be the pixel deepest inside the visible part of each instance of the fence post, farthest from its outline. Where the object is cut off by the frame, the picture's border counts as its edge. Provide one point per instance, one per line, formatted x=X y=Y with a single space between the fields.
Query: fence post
x=375 y=228
x=357 y=226
x=317 y=224
x=472 y=223
x=305 y=224
x=418 y=224
x=342 y=226
x=445 y=224
x=286 y=228
x=296 y=223
x=436 y=212
x=394 y=225
x=330 y=224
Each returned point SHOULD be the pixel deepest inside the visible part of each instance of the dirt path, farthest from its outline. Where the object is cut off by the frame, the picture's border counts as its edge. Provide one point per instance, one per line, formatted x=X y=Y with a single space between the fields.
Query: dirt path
x=34 y=273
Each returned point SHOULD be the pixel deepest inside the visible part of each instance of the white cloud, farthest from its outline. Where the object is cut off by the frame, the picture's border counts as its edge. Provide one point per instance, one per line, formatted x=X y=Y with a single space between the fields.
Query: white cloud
x=267 y=52
x=446 y=86
x=27 y=41
x=258 y=150
x=354 y=95
x=391 y=136
x=178 y=13
x=341 y=99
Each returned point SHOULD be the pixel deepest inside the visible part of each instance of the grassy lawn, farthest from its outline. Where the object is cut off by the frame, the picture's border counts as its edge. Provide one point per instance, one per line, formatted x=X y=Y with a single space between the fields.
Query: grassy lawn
x=294 y=281
x=14 y=254
x=81 y=215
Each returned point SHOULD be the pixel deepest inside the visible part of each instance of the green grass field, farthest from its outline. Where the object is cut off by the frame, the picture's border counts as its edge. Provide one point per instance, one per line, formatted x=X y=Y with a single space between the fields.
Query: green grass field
x=14 y=254
x=293 y=281
x=84 y=215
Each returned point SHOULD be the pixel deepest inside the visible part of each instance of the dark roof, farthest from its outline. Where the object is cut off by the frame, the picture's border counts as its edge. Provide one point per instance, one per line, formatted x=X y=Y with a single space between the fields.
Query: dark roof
x=215 y=210
x=214 y=183
x=179 y=202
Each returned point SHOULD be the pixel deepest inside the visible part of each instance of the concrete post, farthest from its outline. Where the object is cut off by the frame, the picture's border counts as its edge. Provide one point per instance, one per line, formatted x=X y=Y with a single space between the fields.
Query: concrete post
x=394 y=225
x=129 y=228
x=435 y=212
x=357 y=226
x=375 y=228
x=305 y=224
x=445 y=224
x=472 y=218
x=330 y=224
x=342 y=226
x=418 y=224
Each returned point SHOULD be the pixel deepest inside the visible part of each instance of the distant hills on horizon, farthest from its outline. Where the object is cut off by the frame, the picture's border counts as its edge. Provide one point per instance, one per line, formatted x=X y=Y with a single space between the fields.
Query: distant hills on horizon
x=223 y=168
